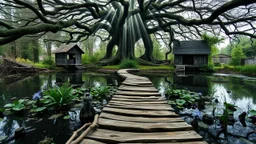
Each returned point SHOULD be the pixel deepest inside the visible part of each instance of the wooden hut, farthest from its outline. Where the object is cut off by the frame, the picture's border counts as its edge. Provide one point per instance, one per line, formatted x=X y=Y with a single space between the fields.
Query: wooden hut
x=221 y=58
x=191 y=53
x=68 y=55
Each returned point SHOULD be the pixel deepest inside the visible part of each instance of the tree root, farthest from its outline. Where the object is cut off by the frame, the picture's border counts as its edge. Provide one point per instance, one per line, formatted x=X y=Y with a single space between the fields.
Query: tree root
x=90 y=128
x=75 y=133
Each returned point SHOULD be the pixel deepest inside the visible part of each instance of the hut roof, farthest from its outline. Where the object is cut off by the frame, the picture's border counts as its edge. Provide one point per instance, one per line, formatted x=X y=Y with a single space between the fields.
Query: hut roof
x=191 y=47
x=65 y=48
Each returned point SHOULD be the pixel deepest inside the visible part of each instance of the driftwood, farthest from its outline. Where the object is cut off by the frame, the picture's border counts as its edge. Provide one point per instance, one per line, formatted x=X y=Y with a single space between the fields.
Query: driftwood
x=90 y=128
x=76 y=132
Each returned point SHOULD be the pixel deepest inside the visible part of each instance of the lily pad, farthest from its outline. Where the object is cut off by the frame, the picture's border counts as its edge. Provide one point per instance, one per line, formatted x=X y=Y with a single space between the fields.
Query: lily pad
x=252 y=112
x=39 y=109
x=18 y=107
x=9 y=105
x=3 y=138
x=180 y=102
x=66 y=117
x=55 y=116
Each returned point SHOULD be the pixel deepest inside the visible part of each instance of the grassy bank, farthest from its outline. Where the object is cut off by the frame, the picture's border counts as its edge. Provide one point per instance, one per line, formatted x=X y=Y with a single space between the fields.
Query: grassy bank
x=166 y=68
x=245 y=70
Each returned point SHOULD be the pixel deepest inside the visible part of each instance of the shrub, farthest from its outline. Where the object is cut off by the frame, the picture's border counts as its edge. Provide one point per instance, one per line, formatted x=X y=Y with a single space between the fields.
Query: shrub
x=22 y=60
x=48 y=61
x=101 y=92
x=128 y=64
x=248 y=69
x=207 y=68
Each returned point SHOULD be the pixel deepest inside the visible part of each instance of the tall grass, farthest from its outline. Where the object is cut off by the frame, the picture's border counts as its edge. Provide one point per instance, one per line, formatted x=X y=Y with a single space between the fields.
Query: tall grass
x=248 y=69
x=128 y=64
x=86 y=59
x=46 y=63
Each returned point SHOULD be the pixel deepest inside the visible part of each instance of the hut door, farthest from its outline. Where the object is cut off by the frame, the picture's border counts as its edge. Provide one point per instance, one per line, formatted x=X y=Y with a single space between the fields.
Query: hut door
x=72 y=58
x=188 y=59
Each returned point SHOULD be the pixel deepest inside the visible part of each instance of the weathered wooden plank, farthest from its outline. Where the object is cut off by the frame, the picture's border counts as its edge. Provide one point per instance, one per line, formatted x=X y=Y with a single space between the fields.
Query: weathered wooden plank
x=136 y=84
x=110 y=136
x=170 y=142
x=136 y=100
x=141 y=107
x=133 y=88
x=138 y=97
x=150 y=103
x=139 y=104
x=89 y=141
x=140 y=118
x=138 y=93
x=149 y=113
x=142 y=127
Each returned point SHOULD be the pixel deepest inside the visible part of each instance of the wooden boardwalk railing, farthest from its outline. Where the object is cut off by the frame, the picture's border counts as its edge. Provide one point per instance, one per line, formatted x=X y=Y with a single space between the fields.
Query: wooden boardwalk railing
x=138 y=114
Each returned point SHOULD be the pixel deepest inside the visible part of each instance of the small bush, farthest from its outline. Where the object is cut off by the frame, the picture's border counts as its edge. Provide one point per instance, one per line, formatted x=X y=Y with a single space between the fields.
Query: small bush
x=128 y=64
x=227 y=67
x=86 y=59
x=22 y=60
x=207 y=68
x=48 y=61
x=248 y=69
x=217 y=64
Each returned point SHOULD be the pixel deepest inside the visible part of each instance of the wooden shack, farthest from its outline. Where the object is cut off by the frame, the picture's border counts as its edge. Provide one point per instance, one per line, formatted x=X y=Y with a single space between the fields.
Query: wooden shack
x=221 y=58
x=68 y=55
x=191 y=53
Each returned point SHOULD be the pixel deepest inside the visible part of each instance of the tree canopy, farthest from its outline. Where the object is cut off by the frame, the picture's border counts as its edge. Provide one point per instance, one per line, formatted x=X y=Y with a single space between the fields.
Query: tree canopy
x=126 y=21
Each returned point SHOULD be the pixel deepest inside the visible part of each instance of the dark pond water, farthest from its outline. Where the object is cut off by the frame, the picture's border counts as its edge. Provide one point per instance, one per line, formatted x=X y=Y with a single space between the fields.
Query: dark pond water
x=240 y=91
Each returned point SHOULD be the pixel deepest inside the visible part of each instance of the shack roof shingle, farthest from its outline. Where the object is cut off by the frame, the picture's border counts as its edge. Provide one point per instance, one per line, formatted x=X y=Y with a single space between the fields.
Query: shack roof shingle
x=191 y=47
x=65 y=48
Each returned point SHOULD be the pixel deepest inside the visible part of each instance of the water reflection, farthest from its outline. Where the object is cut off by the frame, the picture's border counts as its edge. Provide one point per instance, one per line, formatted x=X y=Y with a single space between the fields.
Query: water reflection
x=239 y=91
x=234 y=90
x=39 y=128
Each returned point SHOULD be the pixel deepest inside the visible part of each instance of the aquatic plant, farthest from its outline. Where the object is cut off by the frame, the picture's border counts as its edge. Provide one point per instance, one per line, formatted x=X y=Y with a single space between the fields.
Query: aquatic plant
x=79 y=91
x=58 y=96
x=252 y=115
x=17 y=105
x=101 y=92
x=183 y=98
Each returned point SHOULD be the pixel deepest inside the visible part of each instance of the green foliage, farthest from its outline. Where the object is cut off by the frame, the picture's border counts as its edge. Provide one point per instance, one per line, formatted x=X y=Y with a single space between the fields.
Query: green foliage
x=38 y=109
x=237 y=54
x=212 y=42
x=128 y=64
x=184 y=97
x=247 y=69
x=1 y=50
x=86 y=59
x=67 y=117
x=252 y=112
x=157 y=49
x=248 y=46
x=48 y=61
x=25 y=61
x=58 y=96
x=17 y=105
x=101 y=92
x=207 y=68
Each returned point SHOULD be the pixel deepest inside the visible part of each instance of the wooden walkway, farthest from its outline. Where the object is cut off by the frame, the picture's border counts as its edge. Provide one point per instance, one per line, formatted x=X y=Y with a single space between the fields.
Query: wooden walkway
x=138 y=114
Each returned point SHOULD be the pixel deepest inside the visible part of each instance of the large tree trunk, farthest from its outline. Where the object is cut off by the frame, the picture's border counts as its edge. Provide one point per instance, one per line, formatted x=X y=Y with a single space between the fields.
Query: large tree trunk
x=129 y=30
x=49 y=49
x=35 y=51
